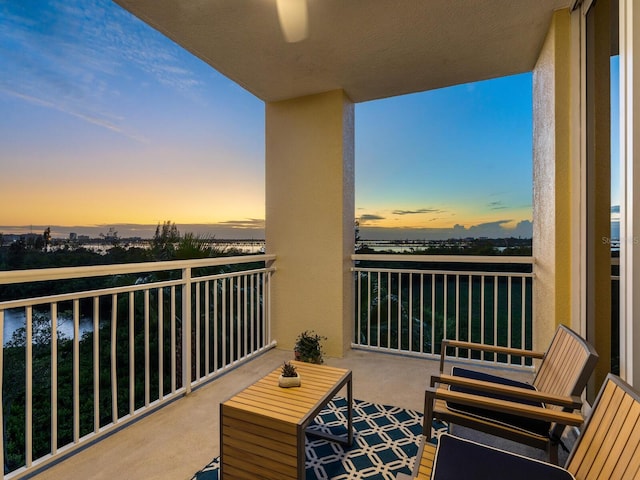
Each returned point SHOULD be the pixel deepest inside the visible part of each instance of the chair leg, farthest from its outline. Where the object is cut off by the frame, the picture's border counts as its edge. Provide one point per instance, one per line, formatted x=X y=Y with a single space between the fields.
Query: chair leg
x=553 y=452
x=429 y=399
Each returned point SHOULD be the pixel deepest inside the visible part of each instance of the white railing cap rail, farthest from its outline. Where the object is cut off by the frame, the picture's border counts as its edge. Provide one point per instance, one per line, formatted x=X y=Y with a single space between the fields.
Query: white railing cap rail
x=445 y=258
x=65 y=273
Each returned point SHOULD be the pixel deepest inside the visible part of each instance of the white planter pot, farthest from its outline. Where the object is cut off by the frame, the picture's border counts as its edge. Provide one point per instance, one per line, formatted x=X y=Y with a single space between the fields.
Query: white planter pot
x=287 y=382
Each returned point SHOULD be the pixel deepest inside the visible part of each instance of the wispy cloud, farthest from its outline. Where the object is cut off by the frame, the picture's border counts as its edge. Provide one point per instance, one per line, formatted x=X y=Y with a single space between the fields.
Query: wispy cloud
x=497 y=205
x=414 y=212
x=368 y=217
x=77 y=54
x=246 y=223
x=103 y=122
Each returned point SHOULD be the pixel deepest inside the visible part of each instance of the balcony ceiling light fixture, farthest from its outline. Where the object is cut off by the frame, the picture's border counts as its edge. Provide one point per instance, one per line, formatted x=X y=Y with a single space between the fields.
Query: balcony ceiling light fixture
x=293 y=19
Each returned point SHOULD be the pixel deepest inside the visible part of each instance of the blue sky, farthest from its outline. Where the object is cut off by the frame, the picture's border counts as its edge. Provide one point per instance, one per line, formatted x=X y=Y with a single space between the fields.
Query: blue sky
x=106 y=123
x=456 y=158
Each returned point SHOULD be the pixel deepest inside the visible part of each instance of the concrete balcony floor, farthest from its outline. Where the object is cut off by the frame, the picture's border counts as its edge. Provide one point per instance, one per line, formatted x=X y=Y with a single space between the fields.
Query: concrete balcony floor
x=181 y=438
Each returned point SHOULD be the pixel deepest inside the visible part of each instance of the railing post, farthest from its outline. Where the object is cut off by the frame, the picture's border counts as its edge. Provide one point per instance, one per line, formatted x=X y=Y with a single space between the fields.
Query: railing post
x=186 y=329
x=1 y=380
x=28 y=435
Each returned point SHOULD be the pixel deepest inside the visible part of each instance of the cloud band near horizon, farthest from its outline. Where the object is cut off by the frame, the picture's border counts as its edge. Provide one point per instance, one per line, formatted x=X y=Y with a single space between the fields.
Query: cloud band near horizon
x=255 y=229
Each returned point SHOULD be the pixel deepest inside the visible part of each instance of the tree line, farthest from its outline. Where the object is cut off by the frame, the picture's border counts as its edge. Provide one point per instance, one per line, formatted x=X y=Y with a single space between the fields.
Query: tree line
x=35 y=252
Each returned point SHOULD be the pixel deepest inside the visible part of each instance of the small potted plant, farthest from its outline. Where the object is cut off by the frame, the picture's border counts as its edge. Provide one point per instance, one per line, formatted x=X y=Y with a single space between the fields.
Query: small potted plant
x=308 y=347
x=289 y=377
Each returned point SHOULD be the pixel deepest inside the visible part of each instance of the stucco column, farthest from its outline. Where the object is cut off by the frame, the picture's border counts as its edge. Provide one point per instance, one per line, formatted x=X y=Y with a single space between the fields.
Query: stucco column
x=630 y=191
x=597 y=164
x=310 y=217
x=552 y=177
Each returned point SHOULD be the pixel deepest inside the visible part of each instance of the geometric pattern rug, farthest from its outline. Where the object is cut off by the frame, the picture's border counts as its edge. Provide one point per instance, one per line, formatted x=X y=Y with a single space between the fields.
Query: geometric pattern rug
x=385 y=443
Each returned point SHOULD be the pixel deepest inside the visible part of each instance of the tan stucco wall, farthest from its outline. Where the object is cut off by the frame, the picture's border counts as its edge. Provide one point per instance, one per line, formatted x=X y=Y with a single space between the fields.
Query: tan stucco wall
x=310 y=217
x=598 y=188
x=552 y=175
x=630 y=208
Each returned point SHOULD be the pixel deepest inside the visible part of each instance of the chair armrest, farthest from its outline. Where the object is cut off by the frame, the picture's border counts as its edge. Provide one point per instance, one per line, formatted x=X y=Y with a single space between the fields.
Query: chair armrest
x=572 y=402
x=504 y=406
x=429 y=401
x=519 y=352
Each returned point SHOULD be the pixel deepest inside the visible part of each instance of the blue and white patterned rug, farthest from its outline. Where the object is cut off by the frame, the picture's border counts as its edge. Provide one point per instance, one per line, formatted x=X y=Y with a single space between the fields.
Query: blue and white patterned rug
x=385 y=443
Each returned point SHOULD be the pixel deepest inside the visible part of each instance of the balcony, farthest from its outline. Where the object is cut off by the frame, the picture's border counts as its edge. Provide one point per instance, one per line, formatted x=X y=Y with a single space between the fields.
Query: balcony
x=153 y=417
x=180 y=439
x=138 y=363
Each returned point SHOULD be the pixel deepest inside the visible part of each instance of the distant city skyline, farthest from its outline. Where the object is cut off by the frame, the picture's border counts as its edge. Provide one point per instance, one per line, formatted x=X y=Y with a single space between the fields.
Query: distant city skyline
x=108 y=124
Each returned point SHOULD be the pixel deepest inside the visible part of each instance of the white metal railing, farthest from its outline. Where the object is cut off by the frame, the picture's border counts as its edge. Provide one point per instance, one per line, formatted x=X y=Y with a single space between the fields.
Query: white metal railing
x=615 y=269
x=139 y=347
x=615 y=315
x=409 y=303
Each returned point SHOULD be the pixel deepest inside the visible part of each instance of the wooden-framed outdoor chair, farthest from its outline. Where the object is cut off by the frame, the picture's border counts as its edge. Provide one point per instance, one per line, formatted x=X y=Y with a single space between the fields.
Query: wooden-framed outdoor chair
x=526 y=413
x=608 y=448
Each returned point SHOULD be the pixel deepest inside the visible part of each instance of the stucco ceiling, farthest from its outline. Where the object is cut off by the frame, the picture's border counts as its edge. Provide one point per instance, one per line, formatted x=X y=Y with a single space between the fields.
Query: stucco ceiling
x=369 y=48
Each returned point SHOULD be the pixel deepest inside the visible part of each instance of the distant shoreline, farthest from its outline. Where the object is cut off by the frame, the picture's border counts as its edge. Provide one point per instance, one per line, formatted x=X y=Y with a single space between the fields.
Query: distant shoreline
x=257 y=245
x=84 y=239
x=254 y=229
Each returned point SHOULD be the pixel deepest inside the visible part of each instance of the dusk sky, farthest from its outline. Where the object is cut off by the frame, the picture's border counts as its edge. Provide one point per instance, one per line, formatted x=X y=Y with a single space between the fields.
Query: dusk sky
x=107 y=123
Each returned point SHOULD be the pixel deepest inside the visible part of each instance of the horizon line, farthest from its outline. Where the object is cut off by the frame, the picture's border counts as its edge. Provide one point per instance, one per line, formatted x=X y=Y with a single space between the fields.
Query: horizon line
x=255 y=229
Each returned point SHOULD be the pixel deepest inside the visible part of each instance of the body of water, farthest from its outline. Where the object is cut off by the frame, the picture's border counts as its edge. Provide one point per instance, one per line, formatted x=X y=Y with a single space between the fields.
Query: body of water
x=16 y=318
x=244 y=246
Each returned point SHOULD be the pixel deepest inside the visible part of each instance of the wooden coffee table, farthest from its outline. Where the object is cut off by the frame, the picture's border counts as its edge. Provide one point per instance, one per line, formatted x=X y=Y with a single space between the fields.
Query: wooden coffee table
x=262 y=428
